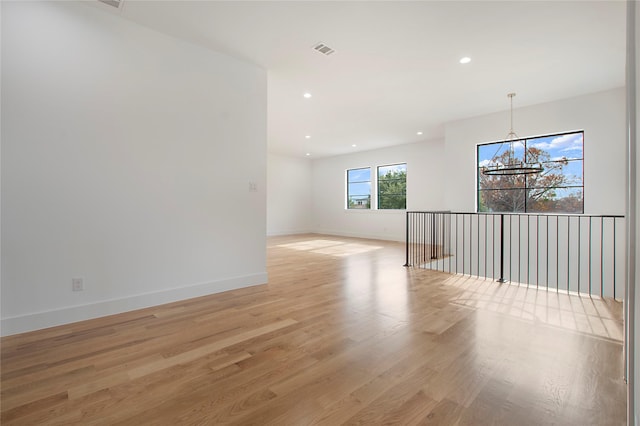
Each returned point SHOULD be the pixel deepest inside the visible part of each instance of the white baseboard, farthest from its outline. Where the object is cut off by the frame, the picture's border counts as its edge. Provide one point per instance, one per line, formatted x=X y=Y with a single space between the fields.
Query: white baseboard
x=288 y=232
x=41 y=320
x=368 y=235
x=371 y=236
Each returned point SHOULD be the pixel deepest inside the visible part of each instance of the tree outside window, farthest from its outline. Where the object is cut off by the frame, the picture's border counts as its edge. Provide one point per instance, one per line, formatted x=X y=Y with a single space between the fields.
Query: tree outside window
x=557 y=189
x=392 y=186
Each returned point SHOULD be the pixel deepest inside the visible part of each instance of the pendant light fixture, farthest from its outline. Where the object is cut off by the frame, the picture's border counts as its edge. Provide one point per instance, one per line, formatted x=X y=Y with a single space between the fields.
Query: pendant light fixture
x=512 y=165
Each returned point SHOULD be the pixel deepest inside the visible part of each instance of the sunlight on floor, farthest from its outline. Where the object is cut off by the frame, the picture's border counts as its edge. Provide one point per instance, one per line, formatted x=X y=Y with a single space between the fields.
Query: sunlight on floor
x=589 y=315
x=330 y=247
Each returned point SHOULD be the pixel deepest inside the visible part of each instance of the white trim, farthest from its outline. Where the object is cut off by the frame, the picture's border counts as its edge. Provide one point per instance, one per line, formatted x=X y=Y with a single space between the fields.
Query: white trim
x=631 y=213
x=40 y=320
x=369 y=236
x=280 y=232
x=376 y=211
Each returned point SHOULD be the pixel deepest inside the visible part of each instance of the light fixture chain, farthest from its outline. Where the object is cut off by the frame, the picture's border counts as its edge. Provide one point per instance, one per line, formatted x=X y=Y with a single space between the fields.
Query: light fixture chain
x=512 y=168
x=511 y=95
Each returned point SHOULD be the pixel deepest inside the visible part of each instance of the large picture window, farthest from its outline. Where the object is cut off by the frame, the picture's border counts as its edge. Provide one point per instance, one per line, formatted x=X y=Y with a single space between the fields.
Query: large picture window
x=392 y=186
x=557 y=189
x=359 y=188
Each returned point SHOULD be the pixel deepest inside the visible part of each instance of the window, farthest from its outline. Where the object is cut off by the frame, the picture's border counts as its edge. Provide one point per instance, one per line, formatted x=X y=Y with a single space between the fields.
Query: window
x=392 y=186
x=359 y=188
x=390 y=181
x=557 y=189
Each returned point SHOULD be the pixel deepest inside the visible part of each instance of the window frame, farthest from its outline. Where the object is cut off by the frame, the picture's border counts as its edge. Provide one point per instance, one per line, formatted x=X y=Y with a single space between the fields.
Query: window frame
x=348 y=195
x=378 y=185
x=374 y=188
x=526 y=188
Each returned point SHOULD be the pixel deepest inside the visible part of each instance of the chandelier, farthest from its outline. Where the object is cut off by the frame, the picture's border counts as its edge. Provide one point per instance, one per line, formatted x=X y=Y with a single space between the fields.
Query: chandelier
x=512 y=165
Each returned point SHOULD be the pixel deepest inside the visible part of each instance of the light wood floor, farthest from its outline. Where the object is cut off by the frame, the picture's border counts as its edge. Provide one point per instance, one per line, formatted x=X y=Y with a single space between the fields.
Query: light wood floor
x=341 y=334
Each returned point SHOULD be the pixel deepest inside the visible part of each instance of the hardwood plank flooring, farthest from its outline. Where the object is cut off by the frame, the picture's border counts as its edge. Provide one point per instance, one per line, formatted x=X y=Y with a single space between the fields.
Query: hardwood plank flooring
x=341 y=334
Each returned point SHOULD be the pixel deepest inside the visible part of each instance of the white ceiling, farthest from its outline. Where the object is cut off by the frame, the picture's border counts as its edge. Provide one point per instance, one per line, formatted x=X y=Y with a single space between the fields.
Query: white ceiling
x=395 y=69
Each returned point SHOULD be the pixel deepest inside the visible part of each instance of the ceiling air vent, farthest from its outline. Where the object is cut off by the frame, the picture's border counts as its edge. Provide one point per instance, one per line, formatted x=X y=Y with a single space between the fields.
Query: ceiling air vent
x=324 y=49
x=115 y=3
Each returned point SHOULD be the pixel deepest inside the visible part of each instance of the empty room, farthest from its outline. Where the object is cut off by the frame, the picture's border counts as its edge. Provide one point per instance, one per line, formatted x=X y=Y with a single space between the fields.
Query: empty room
x=318 y=212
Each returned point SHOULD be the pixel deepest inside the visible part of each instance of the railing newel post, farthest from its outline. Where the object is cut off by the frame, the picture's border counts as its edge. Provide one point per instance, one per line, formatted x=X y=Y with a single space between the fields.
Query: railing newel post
x=501 y=279
x=406 y=255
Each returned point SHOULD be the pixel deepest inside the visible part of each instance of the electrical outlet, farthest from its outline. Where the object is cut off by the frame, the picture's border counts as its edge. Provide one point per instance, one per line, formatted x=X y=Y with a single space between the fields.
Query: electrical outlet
x=77 y=284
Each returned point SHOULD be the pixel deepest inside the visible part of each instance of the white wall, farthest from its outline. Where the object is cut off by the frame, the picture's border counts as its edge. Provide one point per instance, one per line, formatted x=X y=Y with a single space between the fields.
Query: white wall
x=441 y=174
x=126 y=161
x=425 y=182
x=288 y=195
x=600 y=115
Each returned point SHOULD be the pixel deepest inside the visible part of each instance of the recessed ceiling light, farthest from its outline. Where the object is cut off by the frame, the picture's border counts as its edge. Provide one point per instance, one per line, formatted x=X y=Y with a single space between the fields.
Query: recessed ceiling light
x=465 y=60
x=354 y=145
x=418 y=133
x=307 y=95
x=308 y=137
x=308 y=154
